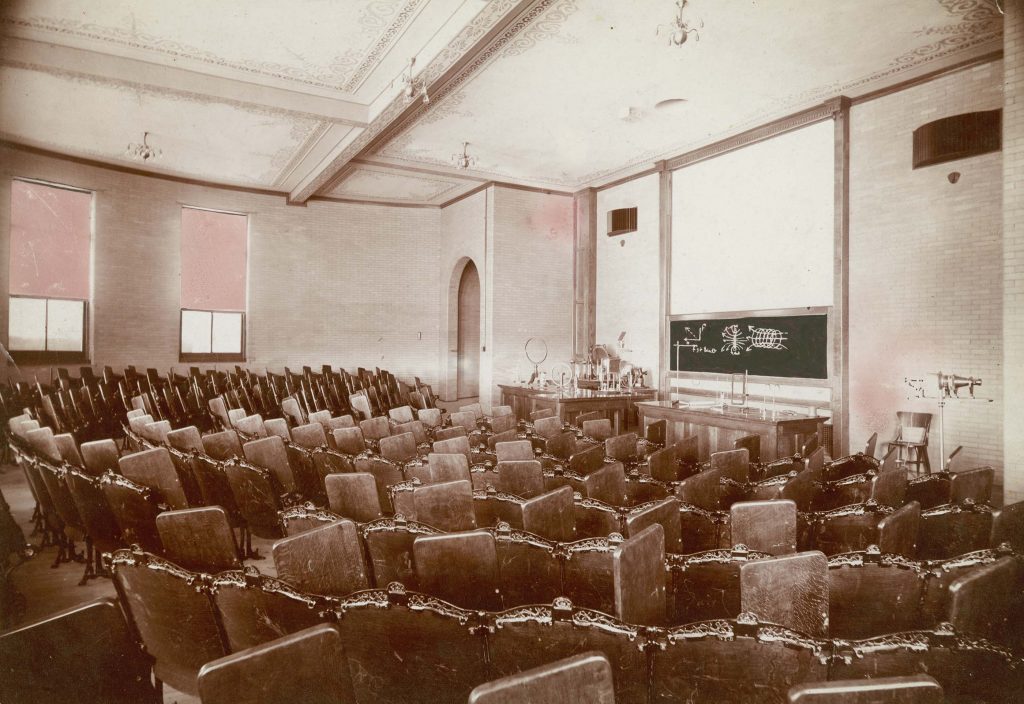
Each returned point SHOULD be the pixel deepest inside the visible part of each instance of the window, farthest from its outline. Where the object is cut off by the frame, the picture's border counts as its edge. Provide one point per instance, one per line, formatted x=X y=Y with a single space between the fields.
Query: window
x=214 y=250
x=51 y=239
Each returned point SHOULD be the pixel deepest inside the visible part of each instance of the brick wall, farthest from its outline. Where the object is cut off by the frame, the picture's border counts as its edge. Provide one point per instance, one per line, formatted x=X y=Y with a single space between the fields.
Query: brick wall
x=1013 y=249
x=627 y=274
x=531 y=253
x=328 y=283
x=926 y=267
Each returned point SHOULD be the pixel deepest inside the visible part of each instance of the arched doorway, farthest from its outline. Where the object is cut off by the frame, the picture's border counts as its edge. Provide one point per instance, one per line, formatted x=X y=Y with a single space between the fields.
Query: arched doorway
x=469 y=332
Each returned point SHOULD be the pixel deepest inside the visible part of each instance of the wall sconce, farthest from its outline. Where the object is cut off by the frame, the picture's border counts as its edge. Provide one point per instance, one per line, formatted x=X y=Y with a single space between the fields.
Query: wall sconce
x=954 y=176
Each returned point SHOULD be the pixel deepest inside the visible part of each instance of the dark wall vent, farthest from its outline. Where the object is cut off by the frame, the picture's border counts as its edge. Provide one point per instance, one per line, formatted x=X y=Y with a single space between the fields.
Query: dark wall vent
x=958 y=137
x=621 y=221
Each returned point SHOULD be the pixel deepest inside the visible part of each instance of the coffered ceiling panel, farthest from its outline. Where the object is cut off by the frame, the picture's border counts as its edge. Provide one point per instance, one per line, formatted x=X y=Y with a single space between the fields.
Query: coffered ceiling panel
x=93 y=119
x=375 y=182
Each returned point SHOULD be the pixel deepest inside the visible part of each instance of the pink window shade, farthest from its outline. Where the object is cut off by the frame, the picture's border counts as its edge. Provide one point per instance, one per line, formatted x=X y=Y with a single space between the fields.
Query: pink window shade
x=50 y=233
x=213 y=258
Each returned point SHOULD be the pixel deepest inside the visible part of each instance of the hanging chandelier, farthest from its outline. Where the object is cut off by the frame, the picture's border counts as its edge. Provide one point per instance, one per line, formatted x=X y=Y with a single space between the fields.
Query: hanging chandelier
x=463 y=160
x=413 y=88
x=680 y=29
x=143 y=152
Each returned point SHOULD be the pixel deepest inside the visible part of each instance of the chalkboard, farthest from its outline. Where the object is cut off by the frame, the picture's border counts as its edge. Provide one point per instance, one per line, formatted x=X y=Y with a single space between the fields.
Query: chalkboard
x=794 y=346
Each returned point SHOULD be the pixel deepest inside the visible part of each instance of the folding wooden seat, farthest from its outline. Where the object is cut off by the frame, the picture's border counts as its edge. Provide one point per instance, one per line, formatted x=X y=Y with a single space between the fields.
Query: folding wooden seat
x=971 y=485
x=85 y=654
x=656 y=433
x=223 y=445
x=780 y=467
x=1008 y=526
x=507 y=436
x=389 y=545
x=430 y=417
x=215 y=488
x=186 y=439
x=803 y=489
x=854 y=528
x=475 y=408
x=309 y=436
x=532 y=636
x=416 y=428
x=513 y=451
x=750 y=443
x=448 y=467
x=705 y=585
x=321 y=417
x=968 y=669
x=906 y=689
x=292 y=410
x=386 y=474
x=449 y=433
x=600 y=430
x=551 y=515
x=460 y=568
x=764 y=526
x=889 y=488
x=622 y=447
x=607 y=484
x=135 y=509
x=278 y=427
x=447 y=506
x=257 y=495
x=434 y=653
x=402 y=414
x=529 y=568
x=849 y=466
x=930 y=490
x=398 y=448
x=455 y=445
x=270 y=453
x=349 y=441
x=309 y=664
x=172 y=612
x=789 y=590
x=219 y=410
x=871 y=594
x=952 y=529
x=688 y=456
x=642 y=489
x=68 y=449
x=523 y=478
x=735 y=661
x=325 y=560
x=154 y=468
x=547 y=427
x=664 y=512
x=298 y=519
x=137 y=425
x=562 y=446
x=353 y=495
x=504 y=424
x=156 y=432
x=199 y=539
x=581 y=679
x=375 y=428
x=98 y=519
x=703 y=489
x=735 y=464
x=588 y=460
x=593 y=518
x=345 y=421
x=982 y=602
x=252 y=426
x=662 y=465
x=41 y=440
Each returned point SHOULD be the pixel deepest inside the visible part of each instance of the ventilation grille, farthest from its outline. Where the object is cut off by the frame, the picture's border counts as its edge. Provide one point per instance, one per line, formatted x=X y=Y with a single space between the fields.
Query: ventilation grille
x=621 y=221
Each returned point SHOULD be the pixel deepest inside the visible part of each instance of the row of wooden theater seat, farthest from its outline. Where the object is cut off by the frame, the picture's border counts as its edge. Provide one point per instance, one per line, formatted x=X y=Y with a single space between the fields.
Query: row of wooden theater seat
x=401 y=645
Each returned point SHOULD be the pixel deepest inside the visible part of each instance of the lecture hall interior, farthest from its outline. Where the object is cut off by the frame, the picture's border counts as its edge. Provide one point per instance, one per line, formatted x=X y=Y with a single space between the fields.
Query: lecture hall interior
x=494 y=351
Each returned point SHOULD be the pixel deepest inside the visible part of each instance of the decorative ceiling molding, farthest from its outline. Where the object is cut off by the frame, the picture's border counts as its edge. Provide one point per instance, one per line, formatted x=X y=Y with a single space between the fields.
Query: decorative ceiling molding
x=380 y=47
x=335 y=76
x=492 y=16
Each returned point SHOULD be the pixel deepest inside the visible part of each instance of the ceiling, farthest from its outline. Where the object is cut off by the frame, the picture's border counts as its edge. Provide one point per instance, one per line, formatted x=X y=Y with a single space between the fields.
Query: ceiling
x=305 y=98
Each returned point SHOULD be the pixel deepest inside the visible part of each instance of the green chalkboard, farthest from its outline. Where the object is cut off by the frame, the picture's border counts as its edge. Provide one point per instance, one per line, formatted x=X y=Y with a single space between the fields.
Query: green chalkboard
x=793 y=346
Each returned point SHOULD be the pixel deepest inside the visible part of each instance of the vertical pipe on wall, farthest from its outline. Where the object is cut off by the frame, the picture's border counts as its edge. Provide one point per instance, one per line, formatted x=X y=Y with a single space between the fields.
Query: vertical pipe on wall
x=584 y=272
x=839 y=373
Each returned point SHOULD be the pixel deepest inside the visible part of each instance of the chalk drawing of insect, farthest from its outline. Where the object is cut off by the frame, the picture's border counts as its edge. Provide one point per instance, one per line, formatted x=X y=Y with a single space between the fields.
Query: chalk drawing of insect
x=734 y=340
x=766 y=338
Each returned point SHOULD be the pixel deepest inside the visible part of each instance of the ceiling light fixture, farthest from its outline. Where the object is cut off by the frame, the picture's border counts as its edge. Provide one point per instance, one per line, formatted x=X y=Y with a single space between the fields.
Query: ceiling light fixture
x=143 y=152
x=680 y=29
x=464 y=160
x=413 y=88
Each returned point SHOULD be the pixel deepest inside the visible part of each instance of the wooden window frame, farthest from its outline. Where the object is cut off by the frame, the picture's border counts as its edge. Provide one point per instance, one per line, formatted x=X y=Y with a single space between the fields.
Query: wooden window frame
x=214 y=357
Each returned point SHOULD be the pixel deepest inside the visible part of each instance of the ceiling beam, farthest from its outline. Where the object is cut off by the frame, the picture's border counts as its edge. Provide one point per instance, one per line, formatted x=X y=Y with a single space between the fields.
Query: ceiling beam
x=45 y=56
x=481 y=33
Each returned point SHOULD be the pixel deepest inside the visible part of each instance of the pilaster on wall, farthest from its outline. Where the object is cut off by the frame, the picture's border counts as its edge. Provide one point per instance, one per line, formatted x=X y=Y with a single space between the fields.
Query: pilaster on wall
x=664 y=273
x=840 y=375
x=1013 y=252
x=584 y=272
